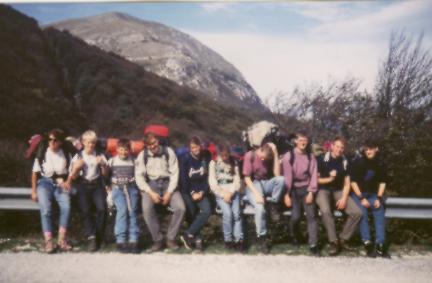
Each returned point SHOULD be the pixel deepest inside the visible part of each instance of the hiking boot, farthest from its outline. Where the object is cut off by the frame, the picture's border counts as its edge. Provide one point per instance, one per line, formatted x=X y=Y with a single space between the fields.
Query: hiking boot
x=295 y=242
x=343 y=244
x=275 y=212
x=49 y=246
x=315 y=250
x=381 y=251
x=122 y=248
x=188 y=240
x=334 y=248
x=229 y=245
x=92 y=244
x=264 y=246
x=172 y=245
x=240 y=246
x=370 y=249
x=199 y=245
x=156 y=247
x=133 y=248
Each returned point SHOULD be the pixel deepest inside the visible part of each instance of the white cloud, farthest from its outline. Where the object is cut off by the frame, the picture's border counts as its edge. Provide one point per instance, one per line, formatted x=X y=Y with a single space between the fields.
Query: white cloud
x=217 y=7
x=271 y=63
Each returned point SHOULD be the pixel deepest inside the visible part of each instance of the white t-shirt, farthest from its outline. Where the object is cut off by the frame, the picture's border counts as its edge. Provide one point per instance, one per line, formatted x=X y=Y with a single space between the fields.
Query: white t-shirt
x=54 y=163
x=90 y=170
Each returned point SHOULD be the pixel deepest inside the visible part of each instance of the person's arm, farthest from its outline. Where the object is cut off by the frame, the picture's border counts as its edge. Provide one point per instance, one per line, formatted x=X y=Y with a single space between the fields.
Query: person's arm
x=250 y=186
x=140 y=174
x=381 y=189
x=358 y=193
x=237 y=181
x=341 y=203
x=313 y=183
x=288 y=176
x=173 y=168
x=34 y=178
x=276 y=161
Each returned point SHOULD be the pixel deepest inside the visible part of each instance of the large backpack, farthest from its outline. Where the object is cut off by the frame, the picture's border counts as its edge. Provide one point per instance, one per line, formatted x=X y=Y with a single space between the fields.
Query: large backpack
x=254 y=136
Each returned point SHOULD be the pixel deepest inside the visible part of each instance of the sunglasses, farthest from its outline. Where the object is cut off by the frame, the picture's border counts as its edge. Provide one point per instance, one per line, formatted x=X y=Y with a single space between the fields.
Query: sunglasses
x=53 y=140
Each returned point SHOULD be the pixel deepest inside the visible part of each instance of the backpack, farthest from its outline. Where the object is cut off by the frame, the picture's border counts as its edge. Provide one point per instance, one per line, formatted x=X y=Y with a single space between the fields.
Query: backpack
x=326 y=159
x=254 y=136
x=161 y=131
x=164 y=154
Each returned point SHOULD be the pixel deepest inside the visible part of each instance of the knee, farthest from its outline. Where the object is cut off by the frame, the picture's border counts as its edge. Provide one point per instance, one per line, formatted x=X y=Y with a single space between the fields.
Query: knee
x=259 y=209
x=45 y=211
x=206 y=212
x=179 y=209
x=326 y=213
x=280 y=180
x=227 y=215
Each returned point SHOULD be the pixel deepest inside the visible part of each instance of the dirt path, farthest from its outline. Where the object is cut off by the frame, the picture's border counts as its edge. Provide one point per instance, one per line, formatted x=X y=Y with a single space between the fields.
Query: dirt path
x=160 y=268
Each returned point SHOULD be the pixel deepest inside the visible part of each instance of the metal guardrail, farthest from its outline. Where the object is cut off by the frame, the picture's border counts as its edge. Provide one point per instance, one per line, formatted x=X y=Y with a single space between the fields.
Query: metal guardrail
x=18 y=199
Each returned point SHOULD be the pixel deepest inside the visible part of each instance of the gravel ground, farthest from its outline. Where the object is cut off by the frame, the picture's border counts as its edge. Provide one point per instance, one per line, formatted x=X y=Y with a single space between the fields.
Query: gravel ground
x=190 y=268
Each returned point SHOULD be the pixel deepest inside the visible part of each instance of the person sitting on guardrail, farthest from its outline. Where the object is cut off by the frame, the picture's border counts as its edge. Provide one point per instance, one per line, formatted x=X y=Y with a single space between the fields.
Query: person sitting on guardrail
x=50 y=172
x=368 y=181
x=301 y=180
x=194 y=167
x=225 y=183
x=262 y=176
x=91 y=168
x=333 y=192
x=157 y=175
x=125 y=195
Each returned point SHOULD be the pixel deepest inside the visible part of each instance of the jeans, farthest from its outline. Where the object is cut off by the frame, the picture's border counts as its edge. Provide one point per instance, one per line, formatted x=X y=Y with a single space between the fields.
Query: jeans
x=47 y=190
x=199 y=212
x=298 y=197
x=126 y=207
x=150 y=215
x=90 y=195
x=231 y=215
x=274 y=188
x=326 y=201
x=378 y=216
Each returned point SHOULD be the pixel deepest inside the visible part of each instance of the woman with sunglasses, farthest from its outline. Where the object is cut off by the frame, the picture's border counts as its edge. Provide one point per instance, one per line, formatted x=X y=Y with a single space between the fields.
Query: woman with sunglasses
x=50 y=172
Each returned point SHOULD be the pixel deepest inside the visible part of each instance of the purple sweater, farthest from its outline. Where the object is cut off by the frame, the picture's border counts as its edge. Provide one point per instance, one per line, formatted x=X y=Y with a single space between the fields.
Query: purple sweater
x=301 y=174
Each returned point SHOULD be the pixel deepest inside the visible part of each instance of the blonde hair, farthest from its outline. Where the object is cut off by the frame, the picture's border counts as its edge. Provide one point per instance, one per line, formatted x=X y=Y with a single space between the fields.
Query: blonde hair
x=89 y=136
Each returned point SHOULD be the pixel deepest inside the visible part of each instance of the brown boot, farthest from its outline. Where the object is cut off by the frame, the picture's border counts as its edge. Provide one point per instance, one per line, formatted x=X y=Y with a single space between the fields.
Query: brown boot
x=172 y=245
x=63 y=244
x=49 y=246
x=157 y=246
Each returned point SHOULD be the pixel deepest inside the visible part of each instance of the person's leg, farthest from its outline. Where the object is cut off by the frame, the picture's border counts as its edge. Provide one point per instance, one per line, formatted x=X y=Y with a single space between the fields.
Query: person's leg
x=364 y=221
x=296 y=200
x=323 y=200
x=354 y=214
x=63 y=200
x=379 y=221
x=238 y=222
x=120 y=225
x=191 y=208
x=45 y=193
x=85 y=198
x=312 y=225
x=274 y=188
x=133 y=214
x=227 y=219
x=202 y=217
x=99 y=200
x=260 y=213
x=179 y=209
x=151 y=218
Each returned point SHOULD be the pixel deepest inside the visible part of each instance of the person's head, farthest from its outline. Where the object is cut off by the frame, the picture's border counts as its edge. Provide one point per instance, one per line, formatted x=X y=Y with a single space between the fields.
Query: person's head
x=337 y=148
x=224 y=152
x=75 y=142
x=152 y=142
x=195 y=145
x=301 y=141
x=123 y=148
x=265 y=153
x=89 y=139
x=370 y=148
x=55 y=139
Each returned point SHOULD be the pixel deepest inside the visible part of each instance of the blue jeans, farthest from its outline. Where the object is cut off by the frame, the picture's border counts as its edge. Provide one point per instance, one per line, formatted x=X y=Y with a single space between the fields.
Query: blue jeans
x=230 y=214
x=199 y=212
x=378 y=216
x=274 y=188
x=47 y=190
x=125 y=210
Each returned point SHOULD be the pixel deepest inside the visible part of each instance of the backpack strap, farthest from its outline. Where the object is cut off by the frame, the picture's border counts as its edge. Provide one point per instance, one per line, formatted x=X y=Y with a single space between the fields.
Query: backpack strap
x=165 y=154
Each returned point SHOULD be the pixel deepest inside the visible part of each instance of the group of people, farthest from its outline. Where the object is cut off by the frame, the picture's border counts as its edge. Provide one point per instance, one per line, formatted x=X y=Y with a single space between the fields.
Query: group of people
x=187 y=183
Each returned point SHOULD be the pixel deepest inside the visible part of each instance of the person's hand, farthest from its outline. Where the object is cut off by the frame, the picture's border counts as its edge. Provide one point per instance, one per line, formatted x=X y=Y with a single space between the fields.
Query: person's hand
x=100 y=161
x=377 y=203
x=108 y=188
x=227 y=197
x=333 y=174
x=259 y=199
x=309 y=198
x=365 y=203
x=166 y=198
x=341 y=203
x=34 y=196
x=155 y=197
x=66 y=186
x=273 y=147
x=197 y=196
x=287 y=200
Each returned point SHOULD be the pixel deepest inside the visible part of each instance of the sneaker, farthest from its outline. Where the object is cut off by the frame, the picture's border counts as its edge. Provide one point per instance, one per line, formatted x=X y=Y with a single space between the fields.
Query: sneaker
x=264 y=246
x=275 y=213
x=64 y=246
x=343 y=244
x=92 y=244
x=133 y=248
x=156 y=247
x=315 y=251
x=172 y=245
x=122 y=248
x=370 y=249
x=199 y=245
x=381 y=251
x=334 y=248
x=187 y=240
x=49 y=246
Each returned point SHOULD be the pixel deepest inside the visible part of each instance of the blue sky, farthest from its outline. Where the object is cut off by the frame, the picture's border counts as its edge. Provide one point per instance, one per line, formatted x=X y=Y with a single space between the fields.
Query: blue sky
x=277 y=45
